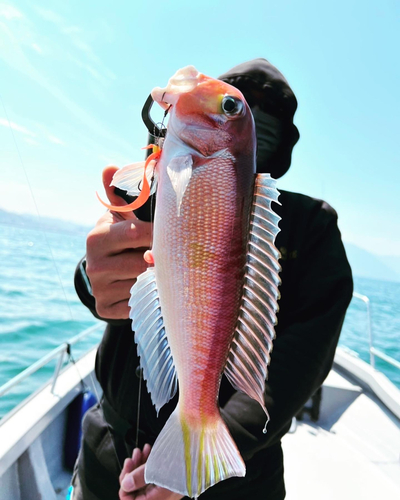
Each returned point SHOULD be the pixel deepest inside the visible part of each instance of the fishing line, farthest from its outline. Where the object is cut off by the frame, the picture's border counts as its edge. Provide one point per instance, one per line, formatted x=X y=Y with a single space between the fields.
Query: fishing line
x=58 y=275
x=37 y=210
x=152 y=205
x=138 y=410
x=159 y=142
x=152 y=202
x=159 y=127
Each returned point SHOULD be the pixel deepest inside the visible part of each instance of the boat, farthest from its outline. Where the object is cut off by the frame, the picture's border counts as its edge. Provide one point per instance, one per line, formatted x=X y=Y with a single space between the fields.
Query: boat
x=344 y=444
x=34 y=437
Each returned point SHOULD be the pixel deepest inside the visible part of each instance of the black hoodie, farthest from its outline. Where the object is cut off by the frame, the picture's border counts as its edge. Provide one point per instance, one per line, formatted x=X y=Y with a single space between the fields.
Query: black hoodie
x=262 y=84
x=315 y=292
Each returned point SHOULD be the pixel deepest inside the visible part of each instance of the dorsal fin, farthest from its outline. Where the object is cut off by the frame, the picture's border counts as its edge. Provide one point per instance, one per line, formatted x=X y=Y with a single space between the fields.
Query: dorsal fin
x=249 y=356
x=150 y=336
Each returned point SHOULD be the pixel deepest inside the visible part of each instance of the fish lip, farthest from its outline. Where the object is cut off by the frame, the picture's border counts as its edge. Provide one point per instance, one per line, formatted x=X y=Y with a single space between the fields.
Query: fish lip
x=183 y=81
x=167 y=98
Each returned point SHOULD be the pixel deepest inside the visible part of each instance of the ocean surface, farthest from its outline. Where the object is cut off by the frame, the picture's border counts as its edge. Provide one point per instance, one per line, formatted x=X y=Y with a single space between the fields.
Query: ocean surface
x=39 y=309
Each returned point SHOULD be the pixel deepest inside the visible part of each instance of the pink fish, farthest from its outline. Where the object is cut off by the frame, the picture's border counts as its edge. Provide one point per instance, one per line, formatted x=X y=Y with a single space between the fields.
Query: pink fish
x=208 y=306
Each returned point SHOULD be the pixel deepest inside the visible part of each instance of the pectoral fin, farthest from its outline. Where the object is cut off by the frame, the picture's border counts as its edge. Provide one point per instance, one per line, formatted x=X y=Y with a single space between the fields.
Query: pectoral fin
x=249 y=356
x=180 y=171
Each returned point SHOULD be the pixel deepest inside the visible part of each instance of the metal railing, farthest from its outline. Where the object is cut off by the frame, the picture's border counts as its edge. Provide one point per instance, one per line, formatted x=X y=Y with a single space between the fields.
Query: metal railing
x=373 y=352
x=59 y=352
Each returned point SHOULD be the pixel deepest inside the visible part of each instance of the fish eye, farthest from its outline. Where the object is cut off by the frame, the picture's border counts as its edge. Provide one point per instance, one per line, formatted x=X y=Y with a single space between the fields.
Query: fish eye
x=231 y=106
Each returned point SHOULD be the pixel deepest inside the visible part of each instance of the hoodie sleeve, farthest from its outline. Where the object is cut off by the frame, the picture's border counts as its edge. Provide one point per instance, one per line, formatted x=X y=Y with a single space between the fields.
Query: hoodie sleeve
x=84 y=292
x=316 y=291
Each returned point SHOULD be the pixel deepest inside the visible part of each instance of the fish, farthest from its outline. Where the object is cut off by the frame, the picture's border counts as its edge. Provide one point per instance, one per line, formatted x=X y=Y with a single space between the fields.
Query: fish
x=208 y=304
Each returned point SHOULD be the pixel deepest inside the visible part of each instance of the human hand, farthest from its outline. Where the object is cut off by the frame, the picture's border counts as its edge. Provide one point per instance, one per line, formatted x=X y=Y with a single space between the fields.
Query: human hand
x=133 y=486
x=114 y=255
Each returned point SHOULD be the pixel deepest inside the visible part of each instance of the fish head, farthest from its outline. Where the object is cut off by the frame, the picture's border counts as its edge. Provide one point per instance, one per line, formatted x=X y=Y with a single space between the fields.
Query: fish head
x=207 y=115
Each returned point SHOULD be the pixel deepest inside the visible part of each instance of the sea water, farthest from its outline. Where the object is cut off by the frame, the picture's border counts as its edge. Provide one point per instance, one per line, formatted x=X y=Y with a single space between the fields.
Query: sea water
x=384 y=299
x=39 y=308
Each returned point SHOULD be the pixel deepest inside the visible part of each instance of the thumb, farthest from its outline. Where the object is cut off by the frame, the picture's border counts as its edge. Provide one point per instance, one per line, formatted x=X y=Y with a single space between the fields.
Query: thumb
x=114 y=199
x=108 y=174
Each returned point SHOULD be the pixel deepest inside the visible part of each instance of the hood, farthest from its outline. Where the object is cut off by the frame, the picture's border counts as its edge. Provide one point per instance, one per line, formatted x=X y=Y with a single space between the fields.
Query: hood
x=263 y=85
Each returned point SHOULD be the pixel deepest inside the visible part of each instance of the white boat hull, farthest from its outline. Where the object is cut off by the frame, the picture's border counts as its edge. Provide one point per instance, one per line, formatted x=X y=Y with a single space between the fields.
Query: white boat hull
x=32 y=437
x=351 y=453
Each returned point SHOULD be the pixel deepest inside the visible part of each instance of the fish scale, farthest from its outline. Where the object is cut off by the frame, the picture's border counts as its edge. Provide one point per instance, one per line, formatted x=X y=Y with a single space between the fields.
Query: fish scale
x=202 y=291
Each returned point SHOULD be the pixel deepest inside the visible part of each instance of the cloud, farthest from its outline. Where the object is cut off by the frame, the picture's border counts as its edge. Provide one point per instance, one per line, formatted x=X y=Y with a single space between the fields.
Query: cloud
x=71 y=30
x=20 y=37
x=36 y=47
x=4 y=122
x=87 y=67
x=87 y=50
x=49 y=15
x=75 y=34
x=56 y=140
x=76 y=37
x=14 y=126
x=31 y=142
x=9 y=12
x=22 y=30
x=12 y=53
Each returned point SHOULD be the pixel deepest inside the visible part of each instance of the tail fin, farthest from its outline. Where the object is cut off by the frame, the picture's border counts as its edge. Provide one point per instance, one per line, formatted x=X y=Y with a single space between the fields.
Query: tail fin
x=189 y=460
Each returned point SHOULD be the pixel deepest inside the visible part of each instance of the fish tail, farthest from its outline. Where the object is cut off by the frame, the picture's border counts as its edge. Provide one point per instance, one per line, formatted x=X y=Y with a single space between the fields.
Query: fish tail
x=189 y=459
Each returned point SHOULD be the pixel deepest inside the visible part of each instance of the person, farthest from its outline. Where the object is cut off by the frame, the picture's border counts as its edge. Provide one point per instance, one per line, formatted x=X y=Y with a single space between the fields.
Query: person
x=315 y=293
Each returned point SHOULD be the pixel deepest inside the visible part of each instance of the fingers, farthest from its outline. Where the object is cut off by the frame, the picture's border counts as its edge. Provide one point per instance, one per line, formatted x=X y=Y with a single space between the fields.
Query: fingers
x=126 y=265
x=152 y=492
x=132 y=475
x=109 y=236
x=145 y=453
x=109 y=309
x=149 y=257
x=114 y=259
x=112 y=297
x=131 y=234
x=112 y=278
x=134 y=480
x=107 y=176
x=114 y=255
x=114 y=199
x=130 y=464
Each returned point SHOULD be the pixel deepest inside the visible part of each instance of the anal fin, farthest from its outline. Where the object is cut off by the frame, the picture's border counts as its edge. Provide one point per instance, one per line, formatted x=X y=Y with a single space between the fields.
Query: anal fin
x=151 y=338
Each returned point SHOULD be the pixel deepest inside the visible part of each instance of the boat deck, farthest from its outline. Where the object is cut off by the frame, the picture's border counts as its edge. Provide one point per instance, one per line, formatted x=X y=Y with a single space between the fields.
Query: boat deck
x=351 y=453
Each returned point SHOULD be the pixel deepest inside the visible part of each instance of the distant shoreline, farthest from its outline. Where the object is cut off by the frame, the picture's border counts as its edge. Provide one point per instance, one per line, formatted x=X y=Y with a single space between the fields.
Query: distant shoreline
x=363 y=263
x=37 y=223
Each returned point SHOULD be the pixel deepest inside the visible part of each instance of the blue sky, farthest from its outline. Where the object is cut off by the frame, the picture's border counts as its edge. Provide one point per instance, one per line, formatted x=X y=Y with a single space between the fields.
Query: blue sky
x=74 y=76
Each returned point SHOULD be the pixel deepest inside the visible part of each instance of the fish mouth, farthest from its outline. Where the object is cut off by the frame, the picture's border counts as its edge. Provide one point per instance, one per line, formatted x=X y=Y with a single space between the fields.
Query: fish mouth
x=184 y=80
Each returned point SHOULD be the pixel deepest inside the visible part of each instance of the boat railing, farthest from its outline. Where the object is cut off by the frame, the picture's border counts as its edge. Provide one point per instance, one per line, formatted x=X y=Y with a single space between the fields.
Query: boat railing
x=373 y=351
x=59 y=352
x=65 y=349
